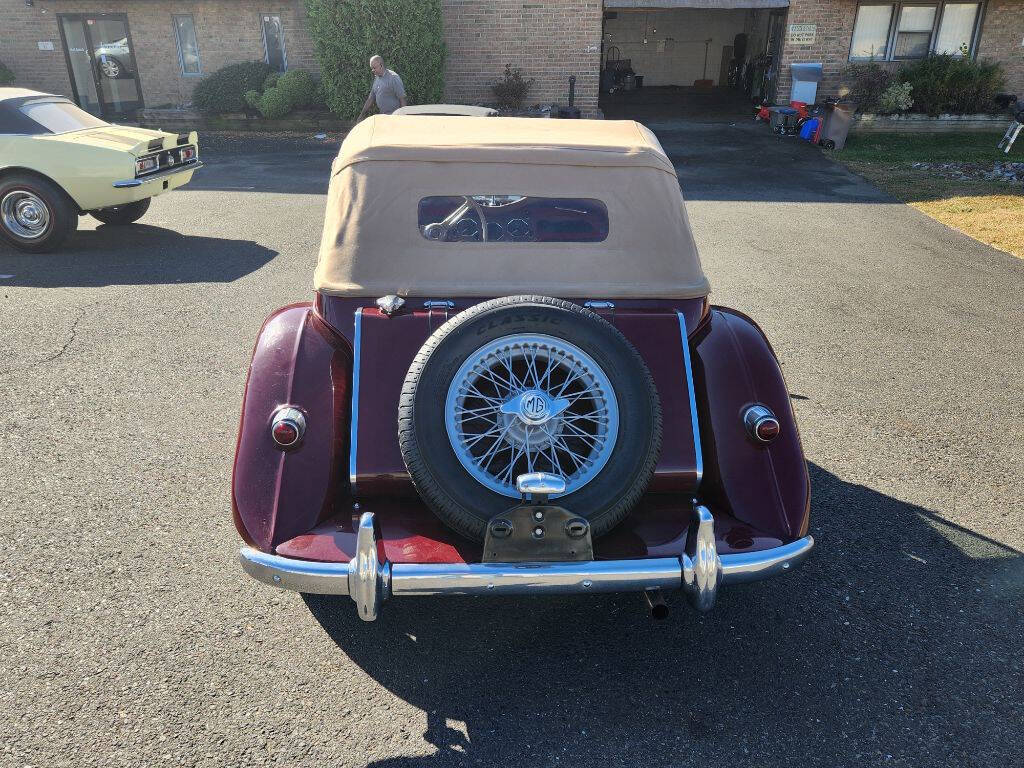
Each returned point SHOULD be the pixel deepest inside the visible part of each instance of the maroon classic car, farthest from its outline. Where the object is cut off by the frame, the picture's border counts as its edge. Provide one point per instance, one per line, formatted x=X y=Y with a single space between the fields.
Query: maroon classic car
x=510 y=381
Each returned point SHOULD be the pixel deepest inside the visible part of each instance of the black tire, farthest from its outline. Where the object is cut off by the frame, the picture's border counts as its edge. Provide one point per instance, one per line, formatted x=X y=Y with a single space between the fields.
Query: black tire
x=118 y=215
x=464 y=503
x=62 y=214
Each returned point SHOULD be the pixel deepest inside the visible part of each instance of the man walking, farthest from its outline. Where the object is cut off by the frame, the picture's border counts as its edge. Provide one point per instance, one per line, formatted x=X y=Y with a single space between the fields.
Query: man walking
x=387 y=91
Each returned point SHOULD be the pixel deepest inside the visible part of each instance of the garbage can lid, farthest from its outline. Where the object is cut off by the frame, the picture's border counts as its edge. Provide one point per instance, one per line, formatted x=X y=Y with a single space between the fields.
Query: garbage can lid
x=808 y=71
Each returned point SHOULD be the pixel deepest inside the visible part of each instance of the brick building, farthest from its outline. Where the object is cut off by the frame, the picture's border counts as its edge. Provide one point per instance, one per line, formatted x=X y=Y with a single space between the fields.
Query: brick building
x=113 y=56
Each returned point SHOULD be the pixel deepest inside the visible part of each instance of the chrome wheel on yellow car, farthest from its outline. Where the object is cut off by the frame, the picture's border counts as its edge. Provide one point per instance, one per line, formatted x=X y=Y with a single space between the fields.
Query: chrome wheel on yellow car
x=35 y=214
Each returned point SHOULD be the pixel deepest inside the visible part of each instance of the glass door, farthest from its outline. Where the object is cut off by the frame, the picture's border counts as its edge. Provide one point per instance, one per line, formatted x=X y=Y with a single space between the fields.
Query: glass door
x=101 y=60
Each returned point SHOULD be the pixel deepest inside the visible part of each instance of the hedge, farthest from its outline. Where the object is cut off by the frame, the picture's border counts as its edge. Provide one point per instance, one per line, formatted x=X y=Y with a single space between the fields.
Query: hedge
x=938 y=84
x=407 y=33
x=225 y=89
x=953 y=84
x=6 y=76
x=275 y=104
x=299 y=87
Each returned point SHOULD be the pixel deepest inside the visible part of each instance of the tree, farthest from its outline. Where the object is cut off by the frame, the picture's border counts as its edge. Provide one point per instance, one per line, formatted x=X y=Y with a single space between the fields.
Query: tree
x=409 y=34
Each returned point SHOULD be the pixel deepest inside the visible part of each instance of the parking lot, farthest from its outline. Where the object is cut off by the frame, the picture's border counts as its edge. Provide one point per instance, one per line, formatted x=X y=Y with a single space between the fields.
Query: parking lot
x=131 y=637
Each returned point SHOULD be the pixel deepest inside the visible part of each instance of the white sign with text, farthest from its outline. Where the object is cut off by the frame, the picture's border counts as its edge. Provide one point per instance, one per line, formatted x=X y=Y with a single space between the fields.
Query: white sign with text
x=802 y=34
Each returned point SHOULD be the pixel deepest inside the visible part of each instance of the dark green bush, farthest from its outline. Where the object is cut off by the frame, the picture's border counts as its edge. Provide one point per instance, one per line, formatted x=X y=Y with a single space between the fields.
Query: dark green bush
x=869 y=82
x=407 y=33
x=225 y=89
x=275 y=104
x=252 y=98
x=953 y=84
x=299 y=86
x=6 y=76
x=511 y=90
x=271 y=80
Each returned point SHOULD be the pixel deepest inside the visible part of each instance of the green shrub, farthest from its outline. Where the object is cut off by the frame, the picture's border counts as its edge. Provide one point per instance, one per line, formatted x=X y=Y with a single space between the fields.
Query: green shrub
x=299 y=86
x=407 y=33
x=511 y=90
x=271 y=80
x=953 y=84
x=6 y=76
x=896 y=98
x=275 y=104
x=225 y=89
x=869 y=82
x=252 y=98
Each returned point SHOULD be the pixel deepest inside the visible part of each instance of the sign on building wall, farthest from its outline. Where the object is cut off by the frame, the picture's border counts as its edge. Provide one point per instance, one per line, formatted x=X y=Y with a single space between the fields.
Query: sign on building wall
x=45 y=45
x=802 y=34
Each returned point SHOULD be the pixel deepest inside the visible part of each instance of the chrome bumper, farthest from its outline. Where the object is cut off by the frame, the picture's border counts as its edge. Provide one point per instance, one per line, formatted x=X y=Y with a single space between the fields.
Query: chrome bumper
x=158 y=176
x=698 y=572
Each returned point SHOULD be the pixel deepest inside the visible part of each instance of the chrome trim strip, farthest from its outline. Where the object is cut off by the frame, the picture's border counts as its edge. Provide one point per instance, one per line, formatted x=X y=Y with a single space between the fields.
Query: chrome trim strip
x=693 y=396
x=353 y=441
x=535 y=578
x=129 y=183
x=370 y=582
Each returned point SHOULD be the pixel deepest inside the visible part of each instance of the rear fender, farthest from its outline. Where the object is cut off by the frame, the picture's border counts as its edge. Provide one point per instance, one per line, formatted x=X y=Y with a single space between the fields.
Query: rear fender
x=766 y=486
x=277 y=494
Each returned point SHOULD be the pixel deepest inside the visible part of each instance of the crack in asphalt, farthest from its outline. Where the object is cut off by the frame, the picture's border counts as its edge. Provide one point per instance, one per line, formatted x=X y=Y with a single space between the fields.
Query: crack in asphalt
x=71 y=338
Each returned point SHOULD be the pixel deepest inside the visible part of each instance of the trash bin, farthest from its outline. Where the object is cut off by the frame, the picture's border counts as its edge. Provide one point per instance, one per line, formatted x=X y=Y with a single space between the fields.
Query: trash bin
x=838 y=118
x=806 y=77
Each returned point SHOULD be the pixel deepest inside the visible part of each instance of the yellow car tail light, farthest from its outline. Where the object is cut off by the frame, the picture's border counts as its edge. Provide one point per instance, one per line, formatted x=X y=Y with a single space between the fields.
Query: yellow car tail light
x=145 y=165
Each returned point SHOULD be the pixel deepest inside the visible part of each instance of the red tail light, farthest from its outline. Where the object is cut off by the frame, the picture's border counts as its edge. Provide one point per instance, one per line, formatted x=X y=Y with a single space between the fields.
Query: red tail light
x=287 y=426
x=761 y=424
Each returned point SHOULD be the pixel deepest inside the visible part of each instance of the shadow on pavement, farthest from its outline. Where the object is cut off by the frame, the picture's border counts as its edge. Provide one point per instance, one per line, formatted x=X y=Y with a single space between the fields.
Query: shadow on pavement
x=896 y=643
x=134 y=255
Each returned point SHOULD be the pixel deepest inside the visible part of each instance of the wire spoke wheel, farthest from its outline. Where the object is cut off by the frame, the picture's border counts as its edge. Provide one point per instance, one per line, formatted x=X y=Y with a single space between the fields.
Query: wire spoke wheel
x=531 y=403
x=523 y=384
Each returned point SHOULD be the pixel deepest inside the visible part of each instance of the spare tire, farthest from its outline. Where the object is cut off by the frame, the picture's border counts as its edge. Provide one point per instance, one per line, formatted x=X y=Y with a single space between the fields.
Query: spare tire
x=528 y=384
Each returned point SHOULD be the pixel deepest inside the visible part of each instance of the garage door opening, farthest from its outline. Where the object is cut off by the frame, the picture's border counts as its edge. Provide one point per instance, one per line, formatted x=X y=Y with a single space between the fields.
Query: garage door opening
x=698 y=60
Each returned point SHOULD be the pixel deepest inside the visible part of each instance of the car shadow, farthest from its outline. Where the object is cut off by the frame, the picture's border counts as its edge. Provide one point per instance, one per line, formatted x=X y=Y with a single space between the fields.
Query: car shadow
x=137 y=254
x=895 y=641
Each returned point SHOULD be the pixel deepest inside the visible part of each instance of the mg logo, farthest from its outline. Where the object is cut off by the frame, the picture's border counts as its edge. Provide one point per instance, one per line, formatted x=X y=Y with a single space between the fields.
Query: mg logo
x=534 y=407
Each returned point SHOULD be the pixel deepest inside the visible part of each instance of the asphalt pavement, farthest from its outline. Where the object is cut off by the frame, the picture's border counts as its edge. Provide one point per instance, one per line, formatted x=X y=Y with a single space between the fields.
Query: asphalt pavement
x=130 y=637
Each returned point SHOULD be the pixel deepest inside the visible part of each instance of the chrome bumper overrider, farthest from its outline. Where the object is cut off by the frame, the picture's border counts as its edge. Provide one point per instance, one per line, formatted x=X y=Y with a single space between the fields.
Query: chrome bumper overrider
x=129 y=183
x=698 y=572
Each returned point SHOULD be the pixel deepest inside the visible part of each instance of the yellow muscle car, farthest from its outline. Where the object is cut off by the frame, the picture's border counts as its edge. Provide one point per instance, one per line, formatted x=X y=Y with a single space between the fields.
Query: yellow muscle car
x=58 y=162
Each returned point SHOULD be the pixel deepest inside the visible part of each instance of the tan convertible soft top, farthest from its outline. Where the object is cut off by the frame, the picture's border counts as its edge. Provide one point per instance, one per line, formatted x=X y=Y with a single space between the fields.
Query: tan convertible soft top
x=372 y=244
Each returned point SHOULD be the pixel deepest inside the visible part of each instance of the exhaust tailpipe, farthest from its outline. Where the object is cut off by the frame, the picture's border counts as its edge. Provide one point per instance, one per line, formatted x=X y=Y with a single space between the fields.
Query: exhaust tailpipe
x=656 y=604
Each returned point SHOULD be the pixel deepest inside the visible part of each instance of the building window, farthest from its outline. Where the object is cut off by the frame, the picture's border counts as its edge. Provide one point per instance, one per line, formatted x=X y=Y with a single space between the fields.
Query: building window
x=871 y=32
x=188 y=49
x=914 y=32
x=957 y=28
x=273 y=43
x=902 y=31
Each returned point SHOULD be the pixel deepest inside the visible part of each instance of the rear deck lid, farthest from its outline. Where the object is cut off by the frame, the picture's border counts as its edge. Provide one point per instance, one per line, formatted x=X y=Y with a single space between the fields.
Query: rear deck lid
x=384 y=348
